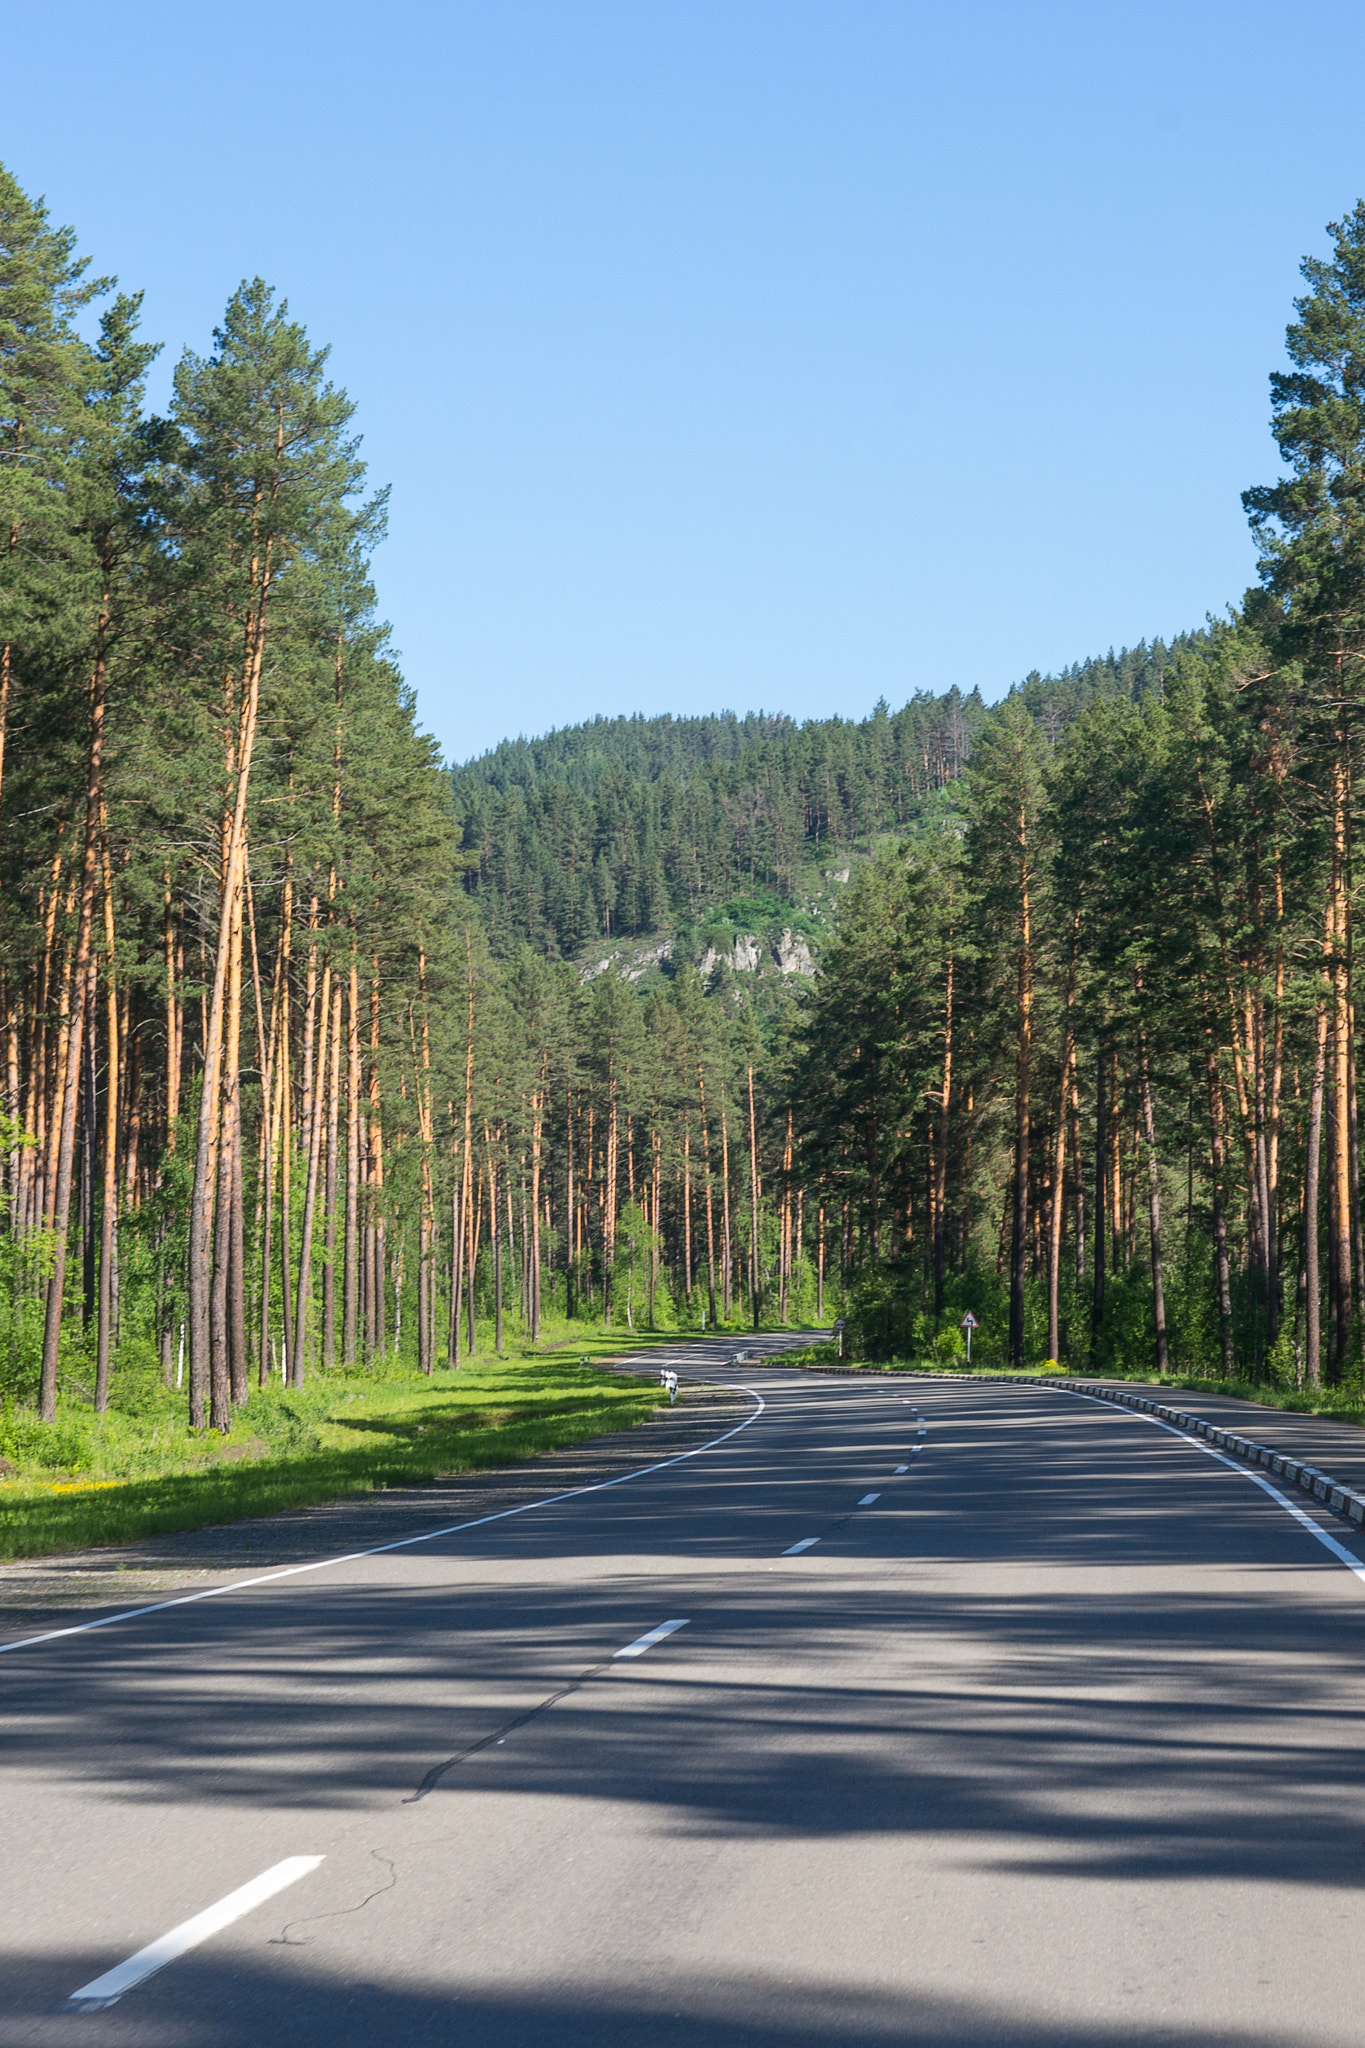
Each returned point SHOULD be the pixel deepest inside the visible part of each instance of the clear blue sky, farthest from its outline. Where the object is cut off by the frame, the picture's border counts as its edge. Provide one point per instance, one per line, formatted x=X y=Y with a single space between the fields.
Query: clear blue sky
x=738 y=352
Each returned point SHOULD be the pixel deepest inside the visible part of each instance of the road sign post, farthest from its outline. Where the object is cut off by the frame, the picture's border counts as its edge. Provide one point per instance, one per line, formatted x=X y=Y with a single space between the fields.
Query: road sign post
x=969 y=1323
x=839 y=1332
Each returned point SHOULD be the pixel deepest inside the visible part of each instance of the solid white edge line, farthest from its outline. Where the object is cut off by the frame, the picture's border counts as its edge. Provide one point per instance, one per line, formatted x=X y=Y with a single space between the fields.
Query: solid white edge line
x=804 y=1544
x=320 y=1564
x=104 y=1990
x=1328 y=1541
x=647 y=1642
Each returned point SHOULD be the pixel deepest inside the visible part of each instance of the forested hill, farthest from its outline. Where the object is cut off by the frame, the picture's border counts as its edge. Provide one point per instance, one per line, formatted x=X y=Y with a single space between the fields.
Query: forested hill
x=625 y=827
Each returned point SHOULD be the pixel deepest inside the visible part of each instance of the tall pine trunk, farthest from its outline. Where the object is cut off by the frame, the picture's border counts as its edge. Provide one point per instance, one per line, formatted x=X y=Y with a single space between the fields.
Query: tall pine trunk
x=1054 y=1249
x=938 y=1220
x=1312 y=1184
x=109 y=1177
x=1163 y=1363
x=1022 y=1071
x=329 y=1292
x=210 y=1101
x=753 y=1205
x=710 y=1219
x=1101 y=1206
x=727 y=1243
x=1218 y=1176
x=315 y=1069
x=1341 y=1248
x=76 y=1003
x=351 y=1261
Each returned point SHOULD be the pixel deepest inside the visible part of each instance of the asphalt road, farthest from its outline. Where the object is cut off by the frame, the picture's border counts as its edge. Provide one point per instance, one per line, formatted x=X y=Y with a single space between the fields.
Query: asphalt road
x=1052 y=1736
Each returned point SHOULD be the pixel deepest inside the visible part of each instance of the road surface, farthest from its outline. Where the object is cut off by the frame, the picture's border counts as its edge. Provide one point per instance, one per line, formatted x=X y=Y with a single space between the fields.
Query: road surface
x=988 y=1715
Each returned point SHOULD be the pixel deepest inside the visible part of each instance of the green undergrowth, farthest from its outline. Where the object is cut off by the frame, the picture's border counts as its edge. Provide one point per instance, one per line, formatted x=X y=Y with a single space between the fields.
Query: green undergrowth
x=826 y=1355
x=1337 y=1404
x=140 y=1471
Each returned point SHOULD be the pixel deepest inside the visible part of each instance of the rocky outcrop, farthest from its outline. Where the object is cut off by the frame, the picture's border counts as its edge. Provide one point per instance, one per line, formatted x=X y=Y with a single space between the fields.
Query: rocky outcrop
x=789 y=953
x=744 y=957
x=793 y=955
x=630 y=962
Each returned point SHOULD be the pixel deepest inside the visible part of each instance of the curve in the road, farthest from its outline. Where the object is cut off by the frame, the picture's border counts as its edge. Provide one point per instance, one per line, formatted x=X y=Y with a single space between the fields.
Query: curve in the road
x=403 y=1542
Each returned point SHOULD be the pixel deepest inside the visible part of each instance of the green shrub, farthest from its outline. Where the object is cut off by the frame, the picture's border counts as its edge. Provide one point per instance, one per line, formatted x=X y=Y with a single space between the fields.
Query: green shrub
x=61 y=1446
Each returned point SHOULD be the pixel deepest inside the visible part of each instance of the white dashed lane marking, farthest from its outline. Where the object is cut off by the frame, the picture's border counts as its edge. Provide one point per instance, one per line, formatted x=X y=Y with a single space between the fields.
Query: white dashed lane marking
x=647 y=1642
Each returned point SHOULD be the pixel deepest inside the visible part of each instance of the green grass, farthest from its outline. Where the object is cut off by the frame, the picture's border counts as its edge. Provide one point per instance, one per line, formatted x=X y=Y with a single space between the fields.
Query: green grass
x=139 y=1471
x=1338 y=1404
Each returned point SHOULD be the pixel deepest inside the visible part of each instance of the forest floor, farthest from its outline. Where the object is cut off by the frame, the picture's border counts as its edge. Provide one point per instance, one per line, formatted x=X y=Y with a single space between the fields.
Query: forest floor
x=139 y=1471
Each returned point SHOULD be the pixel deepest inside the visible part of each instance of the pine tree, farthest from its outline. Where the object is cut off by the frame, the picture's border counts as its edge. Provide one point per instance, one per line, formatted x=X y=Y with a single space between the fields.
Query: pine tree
x=1010 y=850
x=261 y=468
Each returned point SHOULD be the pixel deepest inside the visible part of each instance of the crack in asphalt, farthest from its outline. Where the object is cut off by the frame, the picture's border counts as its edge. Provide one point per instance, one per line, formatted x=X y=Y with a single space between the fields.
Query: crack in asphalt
x=500 y=1733
x=283 y=1940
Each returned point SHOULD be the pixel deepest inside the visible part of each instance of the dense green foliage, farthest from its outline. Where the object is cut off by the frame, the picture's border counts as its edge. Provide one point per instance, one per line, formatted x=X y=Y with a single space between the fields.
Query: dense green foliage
x=629 y=827
x=321 y=1058
x=1085 y=1061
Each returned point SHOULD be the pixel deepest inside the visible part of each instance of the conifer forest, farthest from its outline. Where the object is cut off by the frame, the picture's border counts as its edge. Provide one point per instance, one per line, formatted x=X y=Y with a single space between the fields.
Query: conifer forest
x=323 y=1056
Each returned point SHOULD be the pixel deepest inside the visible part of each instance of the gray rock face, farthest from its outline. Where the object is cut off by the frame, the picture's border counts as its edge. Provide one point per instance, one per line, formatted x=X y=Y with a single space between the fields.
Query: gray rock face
x=630 y=962
x=744 y=957
x=789 y=953
x=793 y=955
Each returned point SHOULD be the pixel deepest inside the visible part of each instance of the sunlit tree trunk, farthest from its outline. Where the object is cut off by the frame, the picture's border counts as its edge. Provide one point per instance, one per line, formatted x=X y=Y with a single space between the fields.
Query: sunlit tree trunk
x=329 y=1196
x=468 y=1205
x=75 y=1024
x=1101 y=1205
x=1341 y=1252
x=537 y=1131
x=687 y=1212
x=1022 y=1071
x=323 y=1006
x=1055 y=1220
x=269 y=1131
x=351 y=1261
x=378 y=1327
x=710 y=1217
x=754 y=1303
x=109 y=1178
x=1163 y=1363
x=284 y=1068
x=201 y=1235
x=939 y=1218
x=1218 y=1175
x=727 y=1238
x=1312 y=1181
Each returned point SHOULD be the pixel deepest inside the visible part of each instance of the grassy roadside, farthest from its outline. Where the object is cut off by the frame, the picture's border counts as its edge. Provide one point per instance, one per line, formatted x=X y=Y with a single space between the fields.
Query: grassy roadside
x=1336 y=1404
x=138 y=1471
